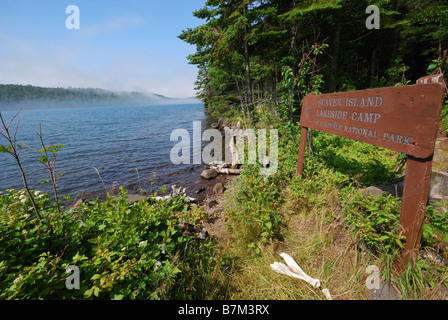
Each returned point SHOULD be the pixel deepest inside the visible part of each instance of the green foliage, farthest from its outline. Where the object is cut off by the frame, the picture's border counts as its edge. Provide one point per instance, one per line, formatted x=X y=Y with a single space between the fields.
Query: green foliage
x=435 y=230
x=375 y=222
x=123 y=251
x=287 y=85
x=297 y=48
x=396 y=75
x=444 y=118
x=309 y=79
x=286 y=108
x=437 y=66
x=365 y=164
x=276 y=33
x=260 y=208
x=411 y=282
x=14 y=150
x=254 y=211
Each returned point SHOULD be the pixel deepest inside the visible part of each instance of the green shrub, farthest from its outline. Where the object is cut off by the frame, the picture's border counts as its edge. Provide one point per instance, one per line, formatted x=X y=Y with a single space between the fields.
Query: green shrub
x=123 y=251
x=444 y=118
x=255 y=207
x=374 y=220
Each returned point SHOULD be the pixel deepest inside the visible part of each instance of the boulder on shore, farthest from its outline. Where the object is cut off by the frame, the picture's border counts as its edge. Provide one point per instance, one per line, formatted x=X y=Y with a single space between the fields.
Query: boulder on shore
x=218 y=189
x=209 y=174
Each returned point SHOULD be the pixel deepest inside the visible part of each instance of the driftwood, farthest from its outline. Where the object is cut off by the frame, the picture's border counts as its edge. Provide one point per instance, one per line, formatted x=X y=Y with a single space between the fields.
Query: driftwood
x=223 y=167
x=227 y=170
x=176 y=192
x=165 y=198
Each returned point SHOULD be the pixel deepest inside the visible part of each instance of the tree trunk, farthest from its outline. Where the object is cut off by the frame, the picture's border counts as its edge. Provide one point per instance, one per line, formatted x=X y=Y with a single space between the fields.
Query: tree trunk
x=276 y=87
x=241 y=100
x=293 y=31
x=248 y=73
x=335 y=61
x=248 y=81
x=373 y=68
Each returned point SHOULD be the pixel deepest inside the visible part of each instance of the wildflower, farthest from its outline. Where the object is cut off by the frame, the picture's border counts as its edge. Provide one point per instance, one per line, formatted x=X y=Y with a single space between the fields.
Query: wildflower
x=18 y=280
x=157 y=265
x=23 y=200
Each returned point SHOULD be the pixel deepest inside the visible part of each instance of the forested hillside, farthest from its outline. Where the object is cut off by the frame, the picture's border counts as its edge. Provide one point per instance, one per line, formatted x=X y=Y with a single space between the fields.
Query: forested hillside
x=244 y=45
x=20 y=95
x=14 y=93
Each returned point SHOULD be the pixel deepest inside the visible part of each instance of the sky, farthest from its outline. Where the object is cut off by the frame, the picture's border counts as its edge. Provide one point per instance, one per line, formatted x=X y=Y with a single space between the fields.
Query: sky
x=121 y=45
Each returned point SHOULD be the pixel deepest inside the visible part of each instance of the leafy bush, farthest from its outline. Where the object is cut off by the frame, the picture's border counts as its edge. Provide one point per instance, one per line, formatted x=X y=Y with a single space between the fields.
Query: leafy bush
x=123 y=251
x=254 y=212
x=363 y=163
x=374 y=220
x=444 y=117
x=435 y=230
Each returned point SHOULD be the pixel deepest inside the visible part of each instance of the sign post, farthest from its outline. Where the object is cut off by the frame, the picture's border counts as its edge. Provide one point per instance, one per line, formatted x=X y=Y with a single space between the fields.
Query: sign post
x=404 y=119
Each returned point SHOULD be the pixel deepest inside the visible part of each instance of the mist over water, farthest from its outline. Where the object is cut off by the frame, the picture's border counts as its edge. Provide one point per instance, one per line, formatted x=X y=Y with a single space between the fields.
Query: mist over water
x=117 y=146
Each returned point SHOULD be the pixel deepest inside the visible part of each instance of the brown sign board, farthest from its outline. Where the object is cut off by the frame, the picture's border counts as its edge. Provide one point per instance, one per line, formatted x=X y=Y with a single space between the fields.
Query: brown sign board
x=404 y=119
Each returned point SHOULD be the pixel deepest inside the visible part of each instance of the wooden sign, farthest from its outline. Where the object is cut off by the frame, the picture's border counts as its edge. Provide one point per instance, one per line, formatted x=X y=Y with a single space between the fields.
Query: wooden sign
x=404 y=119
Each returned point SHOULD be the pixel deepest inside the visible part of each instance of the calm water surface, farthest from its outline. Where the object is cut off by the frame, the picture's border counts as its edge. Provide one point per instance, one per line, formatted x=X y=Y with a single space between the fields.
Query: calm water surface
x=128 y=146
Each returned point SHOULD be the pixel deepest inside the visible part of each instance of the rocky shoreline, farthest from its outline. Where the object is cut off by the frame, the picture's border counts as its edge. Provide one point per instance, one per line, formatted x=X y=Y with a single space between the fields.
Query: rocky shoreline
x=208 y=192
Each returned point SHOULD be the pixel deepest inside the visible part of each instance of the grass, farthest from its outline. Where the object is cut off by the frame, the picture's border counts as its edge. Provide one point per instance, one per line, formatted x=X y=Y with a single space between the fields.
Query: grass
x=331 y=230
x=322 y=249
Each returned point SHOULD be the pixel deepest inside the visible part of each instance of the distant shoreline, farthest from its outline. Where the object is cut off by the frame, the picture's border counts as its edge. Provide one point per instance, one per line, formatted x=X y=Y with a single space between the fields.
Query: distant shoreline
x=13 y=97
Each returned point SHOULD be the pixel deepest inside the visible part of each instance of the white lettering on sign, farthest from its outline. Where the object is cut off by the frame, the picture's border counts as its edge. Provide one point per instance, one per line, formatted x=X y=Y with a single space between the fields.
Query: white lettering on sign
x=366 y=117
x=332 y=114
x=351 y=102
x=329 y=102
x=397 y=138
x=401 y=119
x=364 y=102
x=361 y=131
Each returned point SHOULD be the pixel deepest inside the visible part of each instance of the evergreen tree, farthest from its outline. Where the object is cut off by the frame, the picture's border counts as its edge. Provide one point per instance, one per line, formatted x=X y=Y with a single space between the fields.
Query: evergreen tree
x=244 y=44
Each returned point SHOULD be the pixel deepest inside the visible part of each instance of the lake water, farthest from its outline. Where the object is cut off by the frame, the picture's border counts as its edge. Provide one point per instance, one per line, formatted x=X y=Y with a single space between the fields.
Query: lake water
x=105 y=147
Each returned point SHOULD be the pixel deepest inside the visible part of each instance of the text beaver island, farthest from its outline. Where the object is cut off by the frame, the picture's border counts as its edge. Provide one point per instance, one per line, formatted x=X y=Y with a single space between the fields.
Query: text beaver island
x=357 y=116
